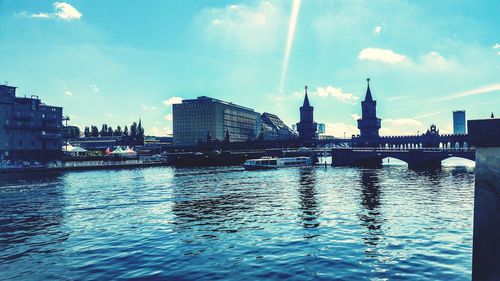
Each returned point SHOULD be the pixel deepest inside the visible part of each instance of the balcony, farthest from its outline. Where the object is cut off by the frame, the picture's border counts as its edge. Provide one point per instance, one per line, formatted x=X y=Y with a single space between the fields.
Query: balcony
x=49 y=117
x=52 y=136
x=19 y=115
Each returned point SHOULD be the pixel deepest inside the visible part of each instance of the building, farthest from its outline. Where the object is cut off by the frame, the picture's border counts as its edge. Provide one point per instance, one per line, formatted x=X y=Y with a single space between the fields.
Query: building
x=272 y=128
x=459 y=122
x=321 y=128
x=307 y=127
x=206 y=118
x=29 y=129
x=369 y=124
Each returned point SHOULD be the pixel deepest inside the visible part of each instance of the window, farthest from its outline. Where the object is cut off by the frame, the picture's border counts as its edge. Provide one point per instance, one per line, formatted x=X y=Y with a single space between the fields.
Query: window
x=20 y=143
x=32 y=143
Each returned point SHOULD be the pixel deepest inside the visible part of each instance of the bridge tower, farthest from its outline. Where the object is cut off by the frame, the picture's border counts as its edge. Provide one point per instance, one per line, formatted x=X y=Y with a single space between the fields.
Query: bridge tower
x=306 y=127
x=369 y=124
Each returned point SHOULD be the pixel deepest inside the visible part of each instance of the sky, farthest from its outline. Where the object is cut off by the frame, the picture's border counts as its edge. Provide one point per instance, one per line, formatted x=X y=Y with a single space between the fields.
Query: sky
x=117 y=61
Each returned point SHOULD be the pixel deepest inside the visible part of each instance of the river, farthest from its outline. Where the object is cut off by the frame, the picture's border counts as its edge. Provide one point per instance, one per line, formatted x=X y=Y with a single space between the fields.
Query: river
x=227 y=223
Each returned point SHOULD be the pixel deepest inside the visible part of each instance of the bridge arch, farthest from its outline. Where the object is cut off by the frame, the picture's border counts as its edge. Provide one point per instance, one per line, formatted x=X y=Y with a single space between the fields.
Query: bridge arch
x=388 y=159
x=458 y=161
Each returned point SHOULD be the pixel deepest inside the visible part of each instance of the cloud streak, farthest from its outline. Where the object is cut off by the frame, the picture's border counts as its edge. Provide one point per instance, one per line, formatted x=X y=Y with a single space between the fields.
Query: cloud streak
x=289 y=42
x=479 y=91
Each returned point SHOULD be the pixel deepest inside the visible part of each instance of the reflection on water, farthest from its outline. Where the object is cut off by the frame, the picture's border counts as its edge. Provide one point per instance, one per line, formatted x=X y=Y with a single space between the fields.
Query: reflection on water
x=370 y=215
x=308 y=202
x=227 y=223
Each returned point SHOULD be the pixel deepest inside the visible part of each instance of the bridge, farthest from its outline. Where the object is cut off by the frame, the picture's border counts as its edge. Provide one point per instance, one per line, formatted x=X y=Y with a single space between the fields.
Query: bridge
x=416 y=158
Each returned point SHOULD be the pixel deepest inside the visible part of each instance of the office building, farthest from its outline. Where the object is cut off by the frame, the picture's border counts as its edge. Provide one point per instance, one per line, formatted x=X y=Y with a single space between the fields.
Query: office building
x=206 y=118
x=459 y=122
x=29 y=129
x=272 y=128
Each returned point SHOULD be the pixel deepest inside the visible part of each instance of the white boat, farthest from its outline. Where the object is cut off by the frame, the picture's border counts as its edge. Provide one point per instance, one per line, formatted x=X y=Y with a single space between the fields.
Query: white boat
x=274 y=163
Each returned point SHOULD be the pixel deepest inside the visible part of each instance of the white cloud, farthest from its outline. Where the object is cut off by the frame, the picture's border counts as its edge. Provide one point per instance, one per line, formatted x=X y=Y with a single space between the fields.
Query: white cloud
x=383 y=55
x=148 y=107
x=401 y=126
x=168 y=117
x=479 y=91
x=156 y=131
x=338 y=129
x=62 y=10
x=355 y=116
x=377 y=30
x=250 y=27
x=496 y=47
x=94 y=88
x=330 y=91
x=173 y=100
x=65 y=11
x=41 y=15
x=68 y=93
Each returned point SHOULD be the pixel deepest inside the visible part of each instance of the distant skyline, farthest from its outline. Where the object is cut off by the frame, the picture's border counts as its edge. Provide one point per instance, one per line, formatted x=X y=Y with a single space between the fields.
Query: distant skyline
x=117 y=61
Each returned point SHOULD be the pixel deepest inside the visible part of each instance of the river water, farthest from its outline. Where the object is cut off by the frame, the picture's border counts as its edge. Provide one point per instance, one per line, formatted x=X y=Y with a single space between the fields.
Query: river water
x=227 y=223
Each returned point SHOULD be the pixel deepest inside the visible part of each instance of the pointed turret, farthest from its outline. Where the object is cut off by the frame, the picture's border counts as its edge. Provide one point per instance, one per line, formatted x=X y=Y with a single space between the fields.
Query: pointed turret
x=369 y=124
x=306 y=127
x=368 y=96
x=306 y=99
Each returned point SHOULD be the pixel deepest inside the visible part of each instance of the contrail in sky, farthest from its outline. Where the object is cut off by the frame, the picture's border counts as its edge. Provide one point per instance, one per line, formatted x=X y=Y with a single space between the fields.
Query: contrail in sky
x=289 y=41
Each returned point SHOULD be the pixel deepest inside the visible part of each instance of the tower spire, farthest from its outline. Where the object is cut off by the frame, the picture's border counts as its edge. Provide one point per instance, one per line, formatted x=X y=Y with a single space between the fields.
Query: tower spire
x=368 y=96
x=306 y=99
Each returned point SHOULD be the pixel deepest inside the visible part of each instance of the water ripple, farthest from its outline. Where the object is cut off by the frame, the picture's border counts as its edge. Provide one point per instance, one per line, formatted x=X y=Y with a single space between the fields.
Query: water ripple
x=226 y=223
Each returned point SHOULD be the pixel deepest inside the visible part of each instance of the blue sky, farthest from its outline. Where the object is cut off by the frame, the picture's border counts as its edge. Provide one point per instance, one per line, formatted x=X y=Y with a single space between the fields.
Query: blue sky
x=116 y=61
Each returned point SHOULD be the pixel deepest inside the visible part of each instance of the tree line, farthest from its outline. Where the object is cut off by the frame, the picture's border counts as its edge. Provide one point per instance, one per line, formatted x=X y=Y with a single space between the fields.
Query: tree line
x=136 y=131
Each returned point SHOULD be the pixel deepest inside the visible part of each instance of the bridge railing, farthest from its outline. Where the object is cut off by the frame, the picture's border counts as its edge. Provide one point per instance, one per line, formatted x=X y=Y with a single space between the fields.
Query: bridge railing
x=398 y=149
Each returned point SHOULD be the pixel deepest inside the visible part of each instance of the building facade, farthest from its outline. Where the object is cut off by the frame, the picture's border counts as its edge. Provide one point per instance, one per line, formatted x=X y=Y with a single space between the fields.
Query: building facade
x=307 y=127
x=459 y=127
x=369 y=124
x=29 y=129
x=206 y=119
x=272 y=128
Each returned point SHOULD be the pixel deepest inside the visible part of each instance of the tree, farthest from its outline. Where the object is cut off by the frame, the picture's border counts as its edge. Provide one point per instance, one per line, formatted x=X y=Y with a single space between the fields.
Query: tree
x=133 y=130
x=140 y=133
x=77 y=132
x=125 y=131
x=94 y=131
x=110 y=131
x=227 y=137
x=86 y=132
x=104 y=130
x=118 y=131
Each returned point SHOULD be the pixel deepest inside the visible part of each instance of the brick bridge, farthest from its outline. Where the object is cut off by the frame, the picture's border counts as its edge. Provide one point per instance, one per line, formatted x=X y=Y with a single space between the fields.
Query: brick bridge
x=415 y=157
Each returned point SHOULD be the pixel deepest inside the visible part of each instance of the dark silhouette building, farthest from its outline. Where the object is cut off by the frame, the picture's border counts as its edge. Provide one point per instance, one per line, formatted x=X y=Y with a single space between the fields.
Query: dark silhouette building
x=272 y=128
x=369 y=124
x=306 y=127
x=30 y=130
